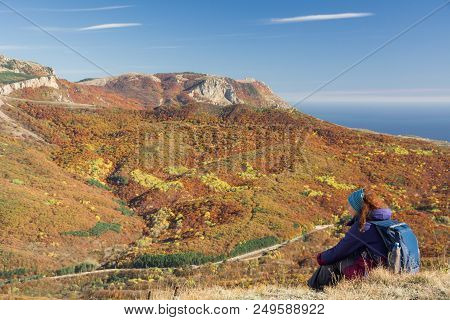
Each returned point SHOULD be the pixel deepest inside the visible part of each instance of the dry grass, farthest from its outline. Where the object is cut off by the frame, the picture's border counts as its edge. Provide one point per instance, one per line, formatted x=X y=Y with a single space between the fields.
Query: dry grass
x=380 y=285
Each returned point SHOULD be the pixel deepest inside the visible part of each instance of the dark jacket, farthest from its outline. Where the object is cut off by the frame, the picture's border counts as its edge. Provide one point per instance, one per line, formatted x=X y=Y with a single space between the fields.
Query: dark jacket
x=356 y=240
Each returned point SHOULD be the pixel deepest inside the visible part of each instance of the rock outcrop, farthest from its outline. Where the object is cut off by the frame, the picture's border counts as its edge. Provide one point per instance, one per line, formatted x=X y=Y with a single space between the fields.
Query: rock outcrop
x=26 y=67
x=214 y=90
x=47 y=81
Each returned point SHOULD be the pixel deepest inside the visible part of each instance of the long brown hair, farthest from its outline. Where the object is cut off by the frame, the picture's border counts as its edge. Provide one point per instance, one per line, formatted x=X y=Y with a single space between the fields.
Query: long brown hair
x=371 y=202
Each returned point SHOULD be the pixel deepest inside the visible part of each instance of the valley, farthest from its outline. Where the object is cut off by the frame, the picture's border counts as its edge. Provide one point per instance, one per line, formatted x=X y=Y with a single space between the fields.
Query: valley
x=152 y=175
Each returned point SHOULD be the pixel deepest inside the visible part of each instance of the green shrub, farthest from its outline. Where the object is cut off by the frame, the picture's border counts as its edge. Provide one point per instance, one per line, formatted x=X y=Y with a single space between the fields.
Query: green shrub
x=254 y=244
x=64 y=271
x=97 y=230
x=260 y=210
x=196 y=258
x=124 y=209
x=174 y=260
x=83 y=267
x=17 y=181
x=10 y=77
x=8 y=274
x=95 y=183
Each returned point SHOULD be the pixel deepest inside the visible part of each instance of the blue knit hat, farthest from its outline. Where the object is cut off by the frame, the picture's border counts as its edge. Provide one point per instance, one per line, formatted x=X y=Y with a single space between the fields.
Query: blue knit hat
x=356 y=200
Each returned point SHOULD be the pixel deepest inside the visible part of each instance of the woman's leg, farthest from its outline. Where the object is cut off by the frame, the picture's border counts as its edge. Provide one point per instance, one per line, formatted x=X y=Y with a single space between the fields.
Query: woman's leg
x=324 y=276
x=330 y=274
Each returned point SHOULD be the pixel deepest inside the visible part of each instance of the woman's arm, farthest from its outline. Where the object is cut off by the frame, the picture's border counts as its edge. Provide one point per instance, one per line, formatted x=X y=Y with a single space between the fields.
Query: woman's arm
x=352 y=241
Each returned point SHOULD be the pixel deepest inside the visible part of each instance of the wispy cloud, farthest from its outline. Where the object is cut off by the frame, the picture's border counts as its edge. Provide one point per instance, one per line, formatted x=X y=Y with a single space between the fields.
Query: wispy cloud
x=321 y=17
x=107 y=8
x=110 y=26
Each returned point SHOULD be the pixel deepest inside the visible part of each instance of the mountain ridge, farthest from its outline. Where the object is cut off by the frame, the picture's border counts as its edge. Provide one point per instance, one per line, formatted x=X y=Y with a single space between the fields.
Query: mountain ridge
x=184 y=87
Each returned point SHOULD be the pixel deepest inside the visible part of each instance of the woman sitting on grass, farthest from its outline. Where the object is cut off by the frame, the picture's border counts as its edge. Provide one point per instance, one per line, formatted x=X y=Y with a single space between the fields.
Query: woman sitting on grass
x=361 y=249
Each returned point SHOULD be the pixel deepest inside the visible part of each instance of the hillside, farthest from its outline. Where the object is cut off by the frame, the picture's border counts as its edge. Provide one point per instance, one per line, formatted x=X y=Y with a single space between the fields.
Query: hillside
x=12 y=70
x=183 y=88
x=190 y=169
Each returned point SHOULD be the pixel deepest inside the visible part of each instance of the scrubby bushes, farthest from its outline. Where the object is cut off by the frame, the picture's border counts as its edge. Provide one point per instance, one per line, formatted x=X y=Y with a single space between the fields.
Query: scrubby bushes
x=97 y=230
x=331 y=181
x=161 y=221
x=249 y=173
x=7 y=77
x=308 y=192
x=124 y=209
x=96 y=183
x=8 y=274
x=196 y=258
x=17 y=181
x=174 y=260
x=216 y=184
x=178 y=171
x=79 y=268
x=254 y=244
x=152 y=182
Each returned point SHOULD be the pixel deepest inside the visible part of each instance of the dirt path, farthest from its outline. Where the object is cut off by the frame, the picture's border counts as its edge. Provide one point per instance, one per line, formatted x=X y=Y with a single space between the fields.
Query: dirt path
x=243 y=257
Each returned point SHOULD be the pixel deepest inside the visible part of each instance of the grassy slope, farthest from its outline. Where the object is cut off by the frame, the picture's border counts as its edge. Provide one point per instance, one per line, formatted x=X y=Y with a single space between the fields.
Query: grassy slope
x=7 y=77
x=39 y=201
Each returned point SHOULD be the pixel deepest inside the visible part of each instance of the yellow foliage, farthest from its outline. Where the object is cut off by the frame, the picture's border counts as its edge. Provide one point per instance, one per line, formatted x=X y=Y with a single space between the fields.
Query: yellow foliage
x=400 y=150
x=150 y=181
x=308 y=192
x=178 y=171
x=422 y=152
x=161 y=221
x=249 y=172
x=331 y=181
x=213 y=182
x=99 y=168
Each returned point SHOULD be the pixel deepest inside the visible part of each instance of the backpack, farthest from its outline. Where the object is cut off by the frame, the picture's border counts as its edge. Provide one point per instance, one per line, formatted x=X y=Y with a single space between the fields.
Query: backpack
x=402 y=245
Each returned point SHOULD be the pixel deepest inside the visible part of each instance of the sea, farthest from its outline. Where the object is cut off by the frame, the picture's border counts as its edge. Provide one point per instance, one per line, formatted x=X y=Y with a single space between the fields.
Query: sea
x=432 y=122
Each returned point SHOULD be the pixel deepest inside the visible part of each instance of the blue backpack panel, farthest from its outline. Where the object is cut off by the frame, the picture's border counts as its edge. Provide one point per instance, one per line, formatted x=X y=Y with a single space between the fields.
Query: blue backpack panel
x=398 y=236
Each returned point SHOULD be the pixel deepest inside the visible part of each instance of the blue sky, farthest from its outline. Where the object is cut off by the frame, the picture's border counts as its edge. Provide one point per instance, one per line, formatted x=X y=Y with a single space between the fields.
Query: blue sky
x=277 y=42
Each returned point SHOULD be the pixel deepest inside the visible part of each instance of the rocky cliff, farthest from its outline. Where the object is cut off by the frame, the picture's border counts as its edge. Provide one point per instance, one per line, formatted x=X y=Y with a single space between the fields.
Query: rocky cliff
x=47 y=81
x=183 y=88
